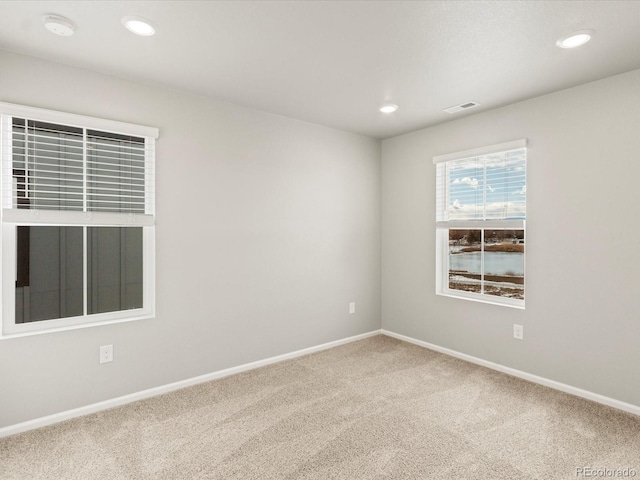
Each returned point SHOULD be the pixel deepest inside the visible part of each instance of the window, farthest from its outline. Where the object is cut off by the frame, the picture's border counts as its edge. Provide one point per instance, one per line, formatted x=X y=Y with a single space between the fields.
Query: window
x=78 y=220
x=480 y=224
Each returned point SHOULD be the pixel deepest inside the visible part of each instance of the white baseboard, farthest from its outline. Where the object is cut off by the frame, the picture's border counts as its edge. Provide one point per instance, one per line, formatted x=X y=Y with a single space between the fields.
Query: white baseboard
x=152 y=392
x=578 y=392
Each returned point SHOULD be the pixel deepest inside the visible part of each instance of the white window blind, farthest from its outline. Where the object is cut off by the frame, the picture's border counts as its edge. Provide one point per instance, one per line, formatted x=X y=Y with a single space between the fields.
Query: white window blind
x=116 y=169
x=482 y=187
x=57 y=167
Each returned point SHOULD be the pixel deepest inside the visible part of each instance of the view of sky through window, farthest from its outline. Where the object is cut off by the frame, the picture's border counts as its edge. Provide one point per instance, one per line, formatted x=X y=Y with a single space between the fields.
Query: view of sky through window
x=487 y=187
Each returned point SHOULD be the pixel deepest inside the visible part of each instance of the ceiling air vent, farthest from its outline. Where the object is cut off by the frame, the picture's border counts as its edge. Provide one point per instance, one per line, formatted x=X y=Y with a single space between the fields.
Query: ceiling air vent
x=461 y=107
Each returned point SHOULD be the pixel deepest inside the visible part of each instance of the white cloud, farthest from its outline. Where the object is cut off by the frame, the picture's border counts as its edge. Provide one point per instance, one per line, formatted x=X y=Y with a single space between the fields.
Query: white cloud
x=506 y=210
x=522 y=191
x=458 y=211
x=472 y=182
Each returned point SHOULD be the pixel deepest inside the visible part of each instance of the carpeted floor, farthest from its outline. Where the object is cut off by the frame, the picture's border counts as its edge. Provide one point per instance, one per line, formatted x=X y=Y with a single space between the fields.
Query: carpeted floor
x=374 y=409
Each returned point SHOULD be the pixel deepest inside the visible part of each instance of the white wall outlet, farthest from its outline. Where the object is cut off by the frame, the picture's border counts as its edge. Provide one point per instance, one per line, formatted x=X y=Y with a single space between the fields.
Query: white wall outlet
x=352 y=307
x=106 y=353
x=518 y=332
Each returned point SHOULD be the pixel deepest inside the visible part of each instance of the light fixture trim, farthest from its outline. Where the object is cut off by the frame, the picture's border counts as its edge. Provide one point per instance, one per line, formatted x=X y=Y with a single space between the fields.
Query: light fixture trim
x=139 y=26
x=388 y=108
x=575 y=39
x=59 y=25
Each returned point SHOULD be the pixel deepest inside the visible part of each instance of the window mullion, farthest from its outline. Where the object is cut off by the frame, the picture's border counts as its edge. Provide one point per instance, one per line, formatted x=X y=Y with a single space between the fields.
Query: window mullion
x=85 y=263
x=26 y=162
x=84 y=169
x=484 y=217
x=482 y=261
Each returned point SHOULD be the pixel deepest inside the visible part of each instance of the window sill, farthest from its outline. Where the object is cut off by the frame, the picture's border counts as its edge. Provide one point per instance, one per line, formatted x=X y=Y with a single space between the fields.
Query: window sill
x=518 y=304
x=41 y=331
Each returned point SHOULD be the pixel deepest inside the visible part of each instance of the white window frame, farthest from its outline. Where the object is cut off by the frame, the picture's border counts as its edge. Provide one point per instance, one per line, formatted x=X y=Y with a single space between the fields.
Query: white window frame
x=10 y=218
x=442 y=228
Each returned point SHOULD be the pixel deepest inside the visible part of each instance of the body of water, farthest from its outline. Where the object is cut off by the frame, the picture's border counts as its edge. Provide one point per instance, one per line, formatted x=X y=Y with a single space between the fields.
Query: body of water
x=495 y=263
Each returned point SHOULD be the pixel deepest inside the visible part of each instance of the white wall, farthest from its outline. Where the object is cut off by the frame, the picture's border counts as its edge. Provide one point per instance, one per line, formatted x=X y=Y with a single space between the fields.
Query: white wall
x=267 y=228
x=582 y=317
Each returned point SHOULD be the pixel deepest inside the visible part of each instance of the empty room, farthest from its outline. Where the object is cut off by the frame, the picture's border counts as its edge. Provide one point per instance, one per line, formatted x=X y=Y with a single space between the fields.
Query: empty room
x=319 y=240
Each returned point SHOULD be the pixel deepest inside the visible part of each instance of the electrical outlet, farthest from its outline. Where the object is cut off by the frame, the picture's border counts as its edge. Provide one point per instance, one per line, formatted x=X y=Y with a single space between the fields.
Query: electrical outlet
x=352 y=307
x=106 y=353
x=518 y=332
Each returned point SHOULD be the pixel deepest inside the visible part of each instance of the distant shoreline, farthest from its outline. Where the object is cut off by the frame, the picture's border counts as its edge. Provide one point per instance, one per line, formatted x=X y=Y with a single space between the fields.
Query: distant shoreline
x=515 y=279
x=499 y=247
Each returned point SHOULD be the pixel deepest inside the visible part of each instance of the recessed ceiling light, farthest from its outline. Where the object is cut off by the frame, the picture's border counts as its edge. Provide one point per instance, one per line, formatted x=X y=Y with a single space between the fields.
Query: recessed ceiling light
x=139 y=26
x=59 y=25
x=388 y=108
x=576 y=39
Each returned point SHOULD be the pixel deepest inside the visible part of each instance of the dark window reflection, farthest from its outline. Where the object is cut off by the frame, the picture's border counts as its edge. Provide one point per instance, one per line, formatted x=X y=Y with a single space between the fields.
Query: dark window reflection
x=49 y=273
x=114 y=256
x=50 y=278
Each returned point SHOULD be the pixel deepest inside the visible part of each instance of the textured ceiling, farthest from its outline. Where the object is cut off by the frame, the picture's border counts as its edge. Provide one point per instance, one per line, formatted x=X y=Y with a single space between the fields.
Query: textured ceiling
x=334 y=63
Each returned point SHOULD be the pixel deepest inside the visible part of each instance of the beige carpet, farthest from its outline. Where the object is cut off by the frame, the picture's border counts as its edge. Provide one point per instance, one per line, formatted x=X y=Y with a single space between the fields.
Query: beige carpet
x=374 y=409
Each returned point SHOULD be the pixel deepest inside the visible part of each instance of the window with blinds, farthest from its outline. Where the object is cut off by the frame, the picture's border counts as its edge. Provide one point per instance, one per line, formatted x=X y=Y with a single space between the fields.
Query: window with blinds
x=480 y=223
x=60 y=167
x=78 y=218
